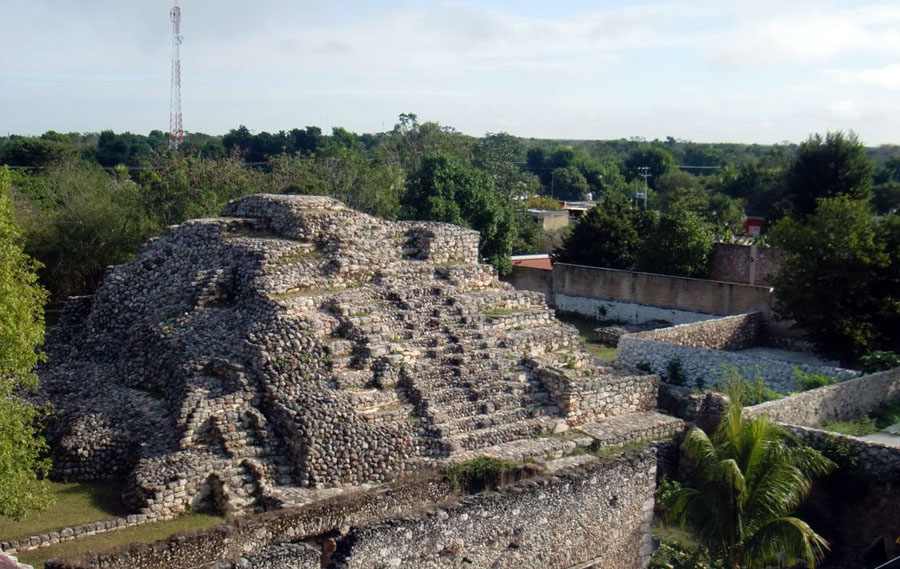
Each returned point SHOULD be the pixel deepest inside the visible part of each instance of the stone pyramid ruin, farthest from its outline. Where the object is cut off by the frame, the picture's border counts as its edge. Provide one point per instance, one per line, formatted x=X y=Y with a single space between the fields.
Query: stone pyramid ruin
x=294 y=346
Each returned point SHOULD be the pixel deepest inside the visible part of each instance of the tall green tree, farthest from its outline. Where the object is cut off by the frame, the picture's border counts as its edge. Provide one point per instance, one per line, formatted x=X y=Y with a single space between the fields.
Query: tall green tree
x=841 y=278
x=680 y=244
x=657 y=160
x=747 y=480
x=569 y=184
x=23 y=465
x=445 y=189
x=827 y=167
x=607 y=236
x=96 y=219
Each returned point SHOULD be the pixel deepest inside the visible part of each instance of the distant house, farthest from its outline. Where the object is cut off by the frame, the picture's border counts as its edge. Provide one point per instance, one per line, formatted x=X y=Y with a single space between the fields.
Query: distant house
x=541 y=261
x=577 y=209
x=550 y=219
x=753 y=226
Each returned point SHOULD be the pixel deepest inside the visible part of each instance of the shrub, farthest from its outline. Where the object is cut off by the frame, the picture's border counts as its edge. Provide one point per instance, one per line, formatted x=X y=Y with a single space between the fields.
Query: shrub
x=807 y=381
x=477 y=474
x=879 y=361
x=752 y=392
x=856 y=428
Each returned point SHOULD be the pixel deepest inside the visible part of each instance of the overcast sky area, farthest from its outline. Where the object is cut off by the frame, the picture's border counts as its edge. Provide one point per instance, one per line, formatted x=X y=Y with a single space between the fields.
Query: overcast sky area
x=736 y=71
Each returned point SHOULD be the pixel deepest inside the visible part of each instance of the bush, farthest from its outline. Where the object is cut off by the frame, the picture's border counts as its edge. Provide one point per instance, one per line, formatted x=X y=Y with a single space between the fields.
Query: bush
x=751 y=392
x=807 y=381
x=879 y=361
x=855 y=428
x=478 y=474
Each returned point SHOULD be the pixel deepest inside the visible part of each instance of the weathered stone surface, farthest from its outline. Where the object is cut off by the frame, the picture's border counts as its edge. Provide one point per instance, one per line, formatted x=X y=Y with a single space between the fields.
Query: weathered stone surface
x=702 y=349
x=242 y=362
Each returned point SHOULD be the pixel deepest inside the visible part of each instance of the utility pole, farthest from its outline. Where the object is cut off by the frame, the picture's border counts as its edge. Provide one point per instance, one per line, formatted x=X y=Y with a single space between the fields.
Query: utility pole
x=176 y=128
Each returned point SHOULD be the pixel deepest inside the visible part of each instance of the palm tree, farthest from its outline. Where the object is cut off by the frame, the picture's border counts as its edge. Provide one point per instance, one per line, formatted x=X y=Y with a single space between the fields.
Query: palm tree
x=748 y=478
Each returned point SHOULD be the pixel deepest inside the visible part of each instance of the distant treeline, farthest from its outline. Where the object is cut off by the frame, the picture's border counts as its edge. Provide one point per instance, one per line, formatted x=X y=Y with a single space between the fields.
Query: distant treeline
x=86 y=201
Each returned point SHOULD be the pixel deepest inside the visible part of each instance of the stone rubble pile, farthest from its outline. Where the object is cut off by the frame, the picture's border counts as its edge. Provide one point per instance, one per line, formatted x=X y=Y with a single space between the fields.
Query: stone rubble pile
x=293 y=344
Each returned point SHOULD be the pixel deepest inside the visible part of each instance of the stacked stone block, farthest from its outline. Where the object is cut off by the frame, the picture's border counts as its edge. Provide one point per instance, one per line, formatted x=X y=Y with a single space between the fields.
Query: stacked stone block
x=243 y=362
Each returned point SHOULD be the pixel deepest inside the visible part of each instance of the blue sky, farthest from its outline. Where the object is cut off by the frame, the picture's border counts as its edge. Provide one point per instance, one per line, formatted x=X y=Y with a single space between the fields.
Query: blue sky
x=762 y=71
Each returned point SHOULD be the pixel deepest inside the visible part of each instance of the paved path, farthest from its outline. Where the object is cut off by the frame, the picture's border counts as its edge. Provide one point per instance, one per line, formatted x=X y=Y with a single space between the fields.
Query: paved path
x=884 y=438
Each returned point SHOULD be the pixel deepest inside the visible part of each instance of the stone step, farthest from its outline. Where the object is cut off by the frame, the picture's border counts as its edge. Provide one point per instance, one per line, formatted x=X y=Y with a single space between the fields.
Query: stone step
x=367 y=399
x=634 y=427
x=497 y=434
x=526 y=450
x=352 y=378
x=496 y=418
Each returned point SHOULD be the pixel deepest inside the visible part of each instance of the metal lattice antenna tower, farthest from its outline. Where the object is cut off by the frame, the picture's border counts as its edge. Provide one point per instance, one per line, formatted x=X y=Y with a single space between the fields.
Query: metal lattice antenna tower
x=176 y=128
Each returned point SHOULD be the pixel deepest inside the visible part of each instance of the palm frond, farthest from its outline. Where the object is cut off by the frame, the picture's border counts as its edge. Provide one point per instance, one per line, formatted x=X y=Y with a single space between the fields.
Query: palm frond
x=785 y=540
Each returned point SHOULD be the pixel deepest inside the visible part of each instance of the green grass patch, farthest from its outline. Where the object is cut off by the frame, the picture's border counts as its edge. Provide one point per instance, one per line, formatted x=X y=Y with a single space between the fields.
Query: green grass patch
x=478 y=474
x=886 y=415
x=856 y=428
x=76 y=504
x=147 y=533
x=585 y=327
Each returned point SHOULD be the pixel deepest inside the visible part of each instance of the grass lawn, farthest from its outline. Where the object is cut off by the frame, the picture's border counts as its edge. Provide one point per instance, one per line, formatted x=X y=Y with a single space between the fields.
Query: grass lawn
x=585 y=328
x=886 y=415
x=76 y=504
x=145 y=534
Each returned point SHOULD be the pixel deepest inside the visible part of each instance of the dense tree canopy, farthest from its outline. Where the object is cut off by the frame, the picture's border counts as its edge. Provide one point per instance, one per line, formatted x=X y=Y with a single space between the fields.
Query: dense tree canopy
x=657 y=160
x=841 y=279
x=680 y=244
x=827 y=167
x=22 y=450
x=607 y=236
x=444 y=189
x=371 y=172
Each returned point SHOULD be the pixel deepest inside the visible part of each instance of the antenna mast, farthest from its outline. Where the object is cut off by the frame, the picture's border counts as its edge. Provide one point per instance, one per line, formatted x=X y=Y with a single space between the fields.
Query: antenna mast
x=176 y=128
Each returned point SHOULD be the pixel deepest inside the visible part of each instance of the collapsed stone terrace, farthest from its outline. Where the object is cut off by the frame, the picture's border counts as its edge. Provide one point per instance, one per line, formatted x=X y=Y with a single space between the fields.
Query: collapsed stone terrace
x=294 y=346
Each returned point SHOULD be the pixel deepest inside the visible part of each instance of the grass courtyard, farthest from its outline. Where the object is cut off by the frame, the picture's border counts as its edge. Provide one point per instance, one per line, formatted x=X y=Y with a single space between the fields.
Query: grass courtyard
x=86 y=502
x=585 y=328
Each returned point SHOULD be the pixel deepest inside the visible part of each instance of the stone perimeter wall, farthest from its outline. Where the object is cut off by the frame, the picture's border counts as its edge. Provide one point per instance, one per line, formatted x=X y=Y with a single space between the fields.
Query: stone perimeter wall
x=636 y=297
x=700 y=349
x=750 y=264
x=680 y=293
x=843 y=401
x=729 y=333
x=599 y=518
x=595 y=515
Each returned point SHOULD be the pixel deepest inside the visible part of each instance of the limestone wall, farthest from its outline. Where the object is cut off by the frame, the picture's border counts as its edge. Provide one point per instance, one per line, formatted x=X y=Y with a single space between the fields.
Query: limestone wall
x=699 y=348
x=596 y=514
x=598 y=518
x=730 y=333
x=839 y=402
x=588 y=399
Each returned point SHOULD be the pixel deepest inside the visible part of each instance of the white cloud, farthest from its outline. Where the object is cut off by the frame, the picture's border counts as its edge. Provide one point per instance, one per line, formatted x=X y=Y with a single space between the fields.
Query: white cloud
x=807 y=32
x=887 y=77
